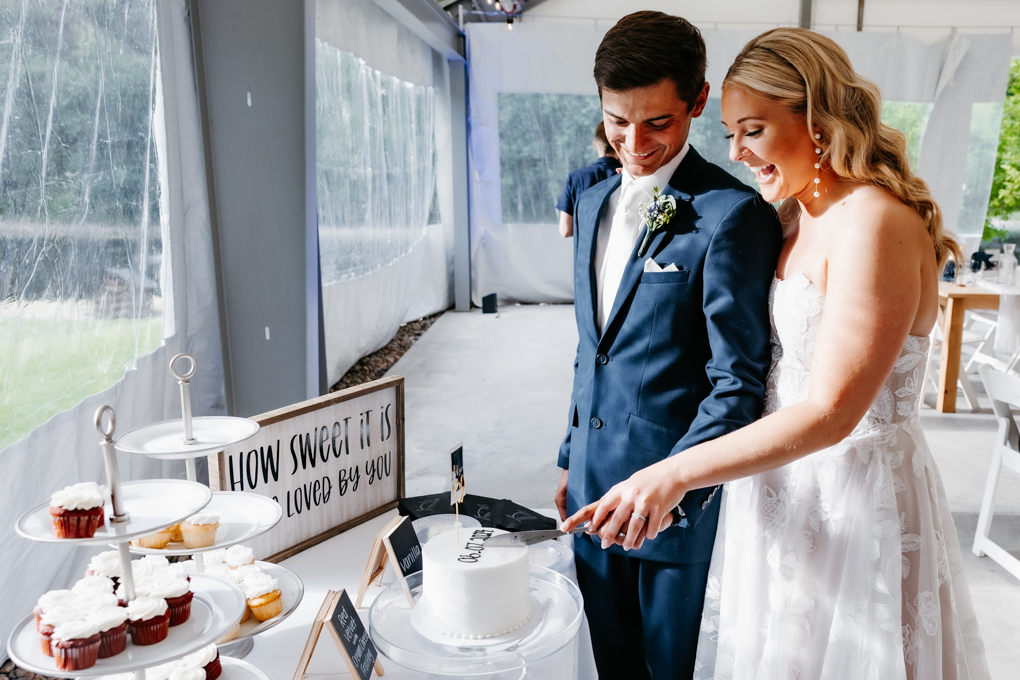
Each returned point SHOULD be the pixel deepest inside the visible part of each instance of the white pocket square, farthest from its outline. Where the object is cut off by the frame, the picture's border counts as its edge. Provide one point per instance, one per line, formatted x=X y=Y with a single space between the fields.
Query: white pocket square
x=653 y=266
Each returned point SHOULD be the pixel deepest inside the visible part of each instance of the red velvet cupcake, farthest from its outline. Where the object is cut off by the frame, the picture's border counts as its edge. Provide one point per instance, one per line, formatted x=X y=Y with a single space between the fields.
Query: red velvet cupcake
x=149 y=620
x=77 y=510
x=50 y=619
x=113 y=624
x=76 y=645
x=208 y=659
x=180 y=608
x=172 y=585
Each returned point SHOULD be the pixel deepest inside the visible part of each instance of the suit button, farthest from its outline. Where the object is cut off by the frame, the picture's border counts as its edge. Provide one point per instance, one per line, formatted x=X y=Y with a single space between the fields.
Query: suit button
x=602 y=359
x=596 y=423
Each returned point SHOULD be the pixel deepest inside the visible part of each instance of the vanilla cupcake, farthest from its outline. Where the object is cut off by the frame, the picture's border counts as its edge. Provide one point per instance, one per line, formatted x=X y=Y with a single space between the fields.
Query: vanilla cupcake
x=112 y=623
x=199 y=531
x=105 y=564
x=158 y=540
x=208 y=659
x=77 y=510
x=243 y=572
x=263 y=595
x=238 y=556
x=75 y=645
x=150 y=620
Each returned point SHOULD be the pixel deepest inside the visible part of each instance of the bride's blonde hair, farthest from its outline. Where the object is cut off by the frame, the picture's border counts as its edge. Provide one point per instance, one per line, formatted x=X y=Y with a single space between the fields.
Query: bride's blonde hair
x=812 y=76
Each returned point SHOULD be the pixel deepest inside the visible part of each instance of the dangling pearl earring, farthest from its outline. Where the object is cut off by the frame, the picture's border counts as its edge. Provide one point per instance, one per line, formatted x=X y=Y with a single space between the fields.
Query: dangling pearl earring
x=818 y=166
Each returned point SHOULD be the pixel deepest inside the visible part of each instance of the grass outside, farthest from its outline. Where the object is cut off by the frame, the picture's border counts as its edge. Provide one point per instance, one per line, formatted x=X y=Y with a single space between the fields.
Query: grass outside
x=48 y=365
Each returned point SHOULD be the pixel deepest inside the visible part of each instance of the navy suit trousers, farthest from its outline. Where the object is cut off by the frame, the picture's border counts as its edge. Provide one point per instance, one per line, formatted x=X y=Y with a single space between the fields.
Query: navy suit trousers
x=644 y=615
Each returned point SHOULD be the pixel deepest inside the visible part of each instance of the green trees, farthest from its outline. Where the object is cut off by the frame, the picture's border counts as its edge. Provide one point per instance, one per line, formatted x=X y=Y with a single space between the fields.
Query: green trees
x=1005 y=199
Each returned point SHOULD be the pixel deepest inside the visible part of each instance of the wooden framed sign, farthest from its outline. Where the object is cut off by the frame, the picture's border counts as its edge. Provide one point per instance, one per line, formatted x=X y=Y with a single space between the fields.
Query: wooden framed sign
x=331 y=463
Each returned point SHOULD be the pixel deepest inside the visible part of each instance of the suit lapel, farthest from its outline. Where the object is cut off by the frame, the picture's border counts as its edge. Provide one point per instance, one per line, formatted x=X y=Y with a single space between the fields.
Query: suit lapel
x=586 y=248
x=684 y=174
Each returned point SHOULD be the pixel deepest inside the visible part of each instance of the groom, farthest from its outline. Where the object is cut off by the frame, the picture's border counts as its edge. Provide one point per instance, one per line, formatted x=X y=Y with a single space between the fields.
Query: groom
x=674 y=339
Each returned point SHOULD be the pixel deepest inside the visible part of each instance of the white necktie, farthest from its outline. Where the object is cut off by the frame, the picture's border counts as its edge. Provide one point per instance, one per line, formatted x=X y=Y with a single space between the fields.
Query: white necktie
x=622 y=238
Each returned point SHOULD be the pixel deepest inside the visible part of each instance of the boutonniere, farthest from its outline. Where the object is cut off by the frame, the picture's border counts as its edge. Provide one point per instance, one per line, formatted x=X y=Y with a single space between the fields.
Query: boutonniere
x=655 y=214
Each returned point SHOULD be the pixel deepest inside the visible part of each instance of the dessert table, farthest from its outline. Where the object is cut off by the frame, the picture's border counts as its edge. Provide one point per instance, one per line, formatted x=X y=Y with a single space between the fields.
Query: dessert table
x=955 y=301
x=339 y=563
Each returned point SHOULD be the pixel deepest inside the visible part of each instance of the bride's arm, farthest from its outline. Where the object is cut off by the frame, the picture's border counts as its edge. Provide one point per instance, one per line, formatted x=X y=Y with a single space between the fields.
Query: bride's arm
x=872 y=296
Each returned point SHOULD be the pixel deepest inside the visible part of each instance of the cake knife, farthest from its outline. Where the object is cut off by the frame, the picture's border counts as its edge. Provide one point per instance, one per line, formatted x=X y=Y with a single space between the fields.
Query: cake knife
x=526 y=538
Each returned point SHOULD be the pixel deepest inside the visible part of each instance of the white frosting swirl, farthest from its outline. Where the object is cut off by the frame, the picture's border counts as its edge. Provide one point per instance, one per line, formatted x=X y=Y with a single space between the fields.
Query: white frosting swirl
x=214 y=557
x=167 y=584
x=83 y=496
x=160 y=672
x=56 y=615
x=202 y=657
x=145 y=608
x=157 y=561
x=75 y=630
x=204 y=518
x=187 y=673
x=219 y=570
x=93 y=584
x=238 y=555
x=107 y=617
x=185 y=568
x=244 y=572
x=143 y=584
x=89 y=602
x=55 y=598
x=258 y=585
x=106 y=564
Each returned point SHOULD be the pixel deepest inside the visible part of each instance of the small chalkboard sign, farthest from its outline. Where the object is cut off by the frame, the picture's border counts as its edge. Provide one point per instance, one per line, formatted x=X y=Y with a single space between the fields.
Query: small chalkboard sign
x=341 y=619
x=398 y=544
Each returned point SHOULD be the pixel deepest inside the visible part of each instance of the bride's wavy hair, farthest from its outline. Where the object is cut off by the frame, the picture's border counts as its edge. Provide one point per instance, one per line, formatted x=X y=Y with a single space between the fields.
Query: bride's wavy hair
x=812 y=76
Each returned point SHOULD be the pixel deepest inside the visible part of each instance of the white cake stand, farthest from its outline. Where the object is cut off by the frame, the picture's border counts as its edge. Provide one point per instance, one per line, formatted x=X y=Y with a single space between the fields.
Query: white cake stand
x=560 y=615
x=292 y=590
x=216 y=608
x=243 y=516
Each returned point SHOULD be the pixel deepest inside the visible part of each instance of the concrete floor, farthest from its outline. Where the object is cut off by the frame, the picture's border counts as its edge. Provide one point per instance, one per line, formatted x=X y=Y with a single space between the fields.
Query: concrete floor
x=502 y=385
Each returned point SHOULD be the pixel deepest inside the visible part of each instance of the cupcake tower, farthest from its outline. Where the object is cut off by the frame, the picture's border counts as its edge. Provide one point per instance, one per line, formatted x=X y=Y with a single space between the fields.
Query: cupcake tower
x=120 y=604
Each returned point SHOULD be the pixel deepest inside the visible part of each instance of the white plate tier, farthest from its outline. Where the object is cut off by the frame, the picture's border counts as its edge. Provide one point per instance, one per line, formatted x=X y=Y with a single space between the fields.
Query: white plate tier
x=291 y=591
x=166 y=439
x=236 y=669
x=561 y=613
x=216 y=608
x=243 y=516
x=152 y=504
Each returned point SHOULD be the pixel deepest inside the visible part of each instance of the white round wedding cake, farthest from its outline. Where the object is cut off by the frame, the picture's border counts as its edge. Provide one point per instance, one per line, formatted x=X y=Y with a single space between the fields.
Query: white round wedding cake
x=473 y=591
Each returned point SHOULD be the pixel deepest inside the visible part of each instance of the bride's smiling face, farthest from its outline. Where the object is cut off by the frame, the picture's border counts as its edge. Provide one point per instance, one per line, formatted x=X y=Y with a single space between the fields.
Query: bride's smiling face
x=771 y=140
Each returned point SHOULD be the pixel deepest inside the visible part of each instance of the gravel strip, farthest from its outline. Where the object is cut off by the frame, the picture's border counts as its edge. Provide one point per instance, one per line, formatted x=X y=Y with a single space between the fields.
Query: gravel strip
x=375 y=365
x=9 y=672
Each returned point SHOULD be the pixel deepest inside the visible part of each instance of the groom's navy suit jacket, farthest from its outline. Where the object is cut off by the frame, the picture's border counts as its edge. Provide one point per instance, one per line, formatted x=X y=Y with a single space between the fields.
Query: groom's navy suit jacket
x=684 y=356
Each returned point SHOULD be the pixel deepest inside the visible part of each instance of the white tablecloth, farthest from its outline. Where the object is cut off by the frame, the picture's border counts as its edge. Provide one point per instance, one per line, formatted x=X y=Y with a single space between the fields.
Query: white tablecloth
x=339 y=563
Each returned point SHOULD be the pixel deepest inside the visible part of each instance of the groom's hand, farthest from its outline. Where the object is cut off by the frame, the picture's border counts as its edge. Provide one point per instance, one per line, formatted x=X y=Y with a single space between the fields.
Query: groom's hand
x=561 y=496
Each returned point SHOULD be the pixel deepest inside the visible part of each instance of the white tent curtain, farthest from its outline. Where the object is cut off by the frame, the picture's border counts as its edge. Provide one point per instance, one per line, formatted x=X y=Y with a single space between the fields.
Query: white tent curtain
x=64 y=449
x=951 y=88
x=385 y=241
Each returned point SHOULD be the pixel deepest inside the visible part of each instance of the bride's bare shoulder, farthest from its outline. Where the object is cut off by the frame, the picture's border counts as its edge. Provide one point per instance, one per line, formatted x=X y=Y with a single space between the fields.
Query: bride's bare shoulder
x=870 y=214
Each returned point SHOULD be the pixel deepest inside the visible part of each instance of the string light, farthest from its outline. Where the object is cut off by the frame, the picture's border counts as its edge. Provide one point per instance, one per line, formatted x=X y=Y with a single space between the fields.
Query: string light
x=509 y=23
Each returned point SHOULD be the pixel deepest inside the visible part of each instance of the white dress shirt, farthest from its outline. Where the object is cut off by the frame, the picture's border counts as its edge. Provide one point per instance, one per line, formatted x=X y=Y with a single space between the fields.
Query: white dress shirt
x=621 y=228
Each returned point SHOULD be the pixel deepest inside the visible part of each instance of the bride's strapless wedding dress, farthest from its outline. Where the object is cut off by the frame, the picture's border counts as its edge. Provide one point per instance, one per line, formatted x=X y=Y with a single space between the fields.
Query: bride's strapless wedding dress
x=844 y=564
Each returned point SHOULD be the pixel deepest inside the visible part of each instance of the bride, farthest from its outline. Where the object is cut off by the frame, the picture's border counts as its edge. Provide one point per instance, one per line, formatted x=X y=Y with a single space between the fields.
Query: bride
x=836 y=555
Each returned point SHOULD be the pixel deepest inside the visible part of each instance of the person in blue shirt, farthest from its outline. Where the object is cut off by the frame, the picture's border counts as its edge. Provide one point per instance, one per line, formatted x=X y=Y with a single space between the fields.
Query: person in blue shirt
x=579 y=180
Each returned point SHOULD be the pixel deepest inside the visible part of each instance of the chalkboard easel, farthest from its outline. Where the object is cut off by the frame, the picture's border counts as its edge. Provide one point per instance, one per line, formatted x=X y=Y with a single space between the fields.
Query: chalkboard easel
x=338 y=615
x=398 y=545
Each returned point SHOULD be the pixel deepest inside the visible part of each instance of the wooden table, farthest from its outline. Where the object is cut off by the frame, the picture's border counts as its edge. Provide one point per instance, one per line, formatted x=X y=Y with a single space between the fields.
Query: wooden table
x=955 y=301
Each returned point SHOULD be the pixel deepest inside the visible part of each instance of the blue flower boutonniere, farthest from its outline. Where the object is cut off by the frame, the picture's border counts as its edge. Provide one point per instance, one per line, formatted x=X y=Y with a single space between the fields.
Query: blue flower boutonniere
x=655 y=214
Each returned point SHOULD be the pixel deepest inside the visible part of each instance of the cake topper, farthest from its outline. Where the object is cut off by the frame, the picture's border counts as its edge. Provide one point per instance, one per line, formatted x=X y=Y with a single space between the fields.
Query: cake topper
x=459 y=488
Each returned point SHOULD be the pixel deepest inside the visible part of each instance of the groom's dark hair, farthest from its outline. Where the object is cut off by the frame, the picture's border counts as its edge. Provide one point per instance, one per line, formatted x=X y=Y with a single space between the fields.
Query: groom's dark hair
x=645 y=48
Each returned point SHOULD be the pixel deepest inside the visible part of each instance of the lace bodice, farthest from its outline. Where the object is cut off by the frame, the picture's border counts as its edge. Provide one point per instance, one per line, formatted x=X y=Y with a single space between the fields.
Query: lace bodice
x=797 y=305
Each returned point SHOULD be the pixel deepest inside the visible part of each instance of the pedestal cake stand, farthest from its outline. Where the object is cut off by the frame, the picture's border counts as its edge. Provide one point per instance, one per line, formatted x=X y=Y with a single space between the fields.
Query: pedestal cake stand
x=134 y=509
x=400 y=637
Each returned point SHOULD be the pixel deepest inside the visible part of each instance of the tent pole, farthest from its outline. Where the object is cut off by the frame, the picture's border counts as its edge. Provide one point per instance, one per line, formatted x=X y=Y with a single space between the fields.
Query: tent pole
x=805 y=13
x=860 y=15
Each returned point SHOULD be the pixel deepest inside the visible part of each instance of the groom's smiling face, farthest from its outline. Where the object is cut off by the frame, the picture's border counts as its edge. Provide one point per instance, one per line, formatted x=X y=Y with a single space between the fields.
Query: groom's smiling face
x=648 y=126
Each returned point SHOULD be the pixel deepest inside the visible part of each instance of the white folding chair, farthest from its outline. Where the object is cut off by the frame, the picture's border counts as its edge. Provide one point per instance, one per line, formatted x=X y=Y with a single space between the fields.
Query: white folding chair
x=1003 y=390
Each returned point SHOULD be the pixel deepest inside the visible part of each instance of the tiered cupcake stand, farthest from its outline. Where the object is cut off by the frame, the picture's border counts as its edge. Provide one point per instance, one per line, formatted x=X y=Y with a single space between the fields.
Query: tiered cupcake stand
x=140 y=508
x=243 y=516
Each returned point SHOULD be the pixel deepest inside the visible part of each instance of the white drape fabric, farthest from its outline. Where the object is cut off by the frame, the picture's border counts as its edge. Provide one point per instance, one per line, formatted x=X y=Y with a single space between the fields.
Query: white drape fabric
x=530 y=262
x=845 y=563
x=64 y=450
x=382 y=106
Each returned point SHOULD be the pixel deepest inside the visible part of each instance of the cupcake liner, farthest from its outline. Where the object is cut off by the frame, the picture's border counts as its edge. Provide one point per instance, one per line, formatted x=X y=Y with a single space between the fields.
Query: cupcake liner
x=180 y=608
x=76 y=523
x=77 y=654
x=266 y=610
x=213 y=668
x=244 y=617
x=157 y=540
x=150 y=631
x=113 y=641
x=229 y=635
x=46 y=632
x=199 y=536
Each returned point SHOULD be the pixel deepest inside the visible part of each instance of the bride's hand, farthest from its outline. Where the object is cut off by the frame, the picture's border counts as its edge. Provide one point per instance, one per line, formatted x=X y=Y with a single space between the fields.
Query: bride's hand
x=651 y=493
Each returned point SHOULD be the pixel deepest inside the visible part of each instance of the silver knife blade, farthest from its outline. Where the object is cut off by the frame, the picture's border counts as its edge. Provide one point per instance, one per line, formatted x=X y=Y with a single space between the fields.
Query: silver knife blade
x=526 y=538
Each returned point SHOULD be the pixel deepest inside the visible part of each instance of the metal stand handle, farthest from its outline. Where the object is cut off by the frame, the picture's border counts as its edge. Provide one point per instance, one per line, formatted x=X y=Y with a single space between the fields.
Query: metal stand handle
x=110 y=459
x=183 y=380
